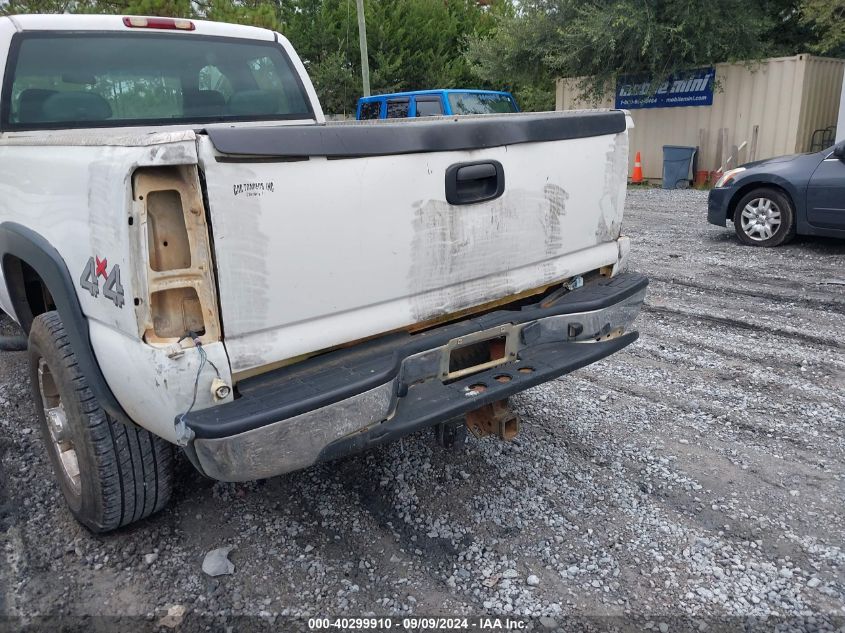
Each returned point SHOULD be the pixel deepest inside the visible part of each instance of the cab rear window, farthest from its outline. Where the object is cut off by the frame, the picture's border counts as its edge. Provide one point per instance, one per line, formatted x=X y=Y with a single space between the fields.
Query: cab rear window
x=63 y=80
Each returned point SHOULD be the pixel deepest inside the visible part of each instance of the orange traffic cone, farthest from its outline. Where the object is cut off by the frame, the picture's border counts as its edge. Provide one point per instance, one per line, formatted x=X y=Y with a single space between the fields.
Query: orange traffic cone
x=637 y=177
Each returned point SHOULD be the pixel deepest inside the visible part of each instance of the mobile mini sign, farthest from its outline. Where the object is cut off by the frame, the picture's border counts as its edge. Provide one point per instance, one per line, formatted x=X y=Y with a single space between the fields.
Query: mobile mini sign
x=683 y=89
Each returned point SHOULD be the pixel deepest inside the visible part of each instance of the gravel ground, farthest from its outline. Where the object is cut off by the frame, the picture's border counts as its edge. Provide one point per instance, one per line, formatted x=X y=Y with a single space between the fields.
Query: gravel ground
x=697 y=474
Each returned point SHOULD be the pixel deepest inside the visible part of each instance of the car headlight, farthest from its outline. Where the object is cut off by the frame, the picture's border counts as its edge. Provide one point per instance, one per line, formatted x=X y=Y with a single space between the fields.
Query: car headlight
x=728 y=176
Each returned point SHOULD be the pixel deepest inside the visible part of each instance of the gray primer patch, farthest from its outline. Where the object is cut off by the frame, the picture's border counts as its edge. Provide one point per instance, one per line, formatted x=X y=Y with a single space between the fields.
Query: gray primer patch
x=175 y=154
x=242 y=251
x=462 y=255
x=615 y=179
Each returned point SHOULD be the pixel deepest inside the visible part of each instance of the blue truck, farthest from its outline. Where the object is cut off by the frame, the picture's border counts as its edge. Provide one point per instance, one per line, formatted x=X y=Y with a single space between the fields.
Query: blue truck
x=419 y=103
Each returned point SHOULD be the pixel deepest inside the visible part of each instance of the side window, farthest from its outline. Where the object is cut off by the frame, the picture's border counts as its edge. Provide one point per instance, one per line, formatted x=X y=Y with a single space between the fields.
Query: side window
x=370 y=109
x=481 y=103
x=398 y=108
x=429 y=106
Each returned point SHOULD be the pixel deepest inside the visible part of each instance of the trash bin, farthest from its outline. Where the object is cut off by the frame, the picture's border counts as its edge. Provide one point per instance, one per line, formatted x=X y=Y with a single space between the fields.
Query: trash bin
x=677 y=162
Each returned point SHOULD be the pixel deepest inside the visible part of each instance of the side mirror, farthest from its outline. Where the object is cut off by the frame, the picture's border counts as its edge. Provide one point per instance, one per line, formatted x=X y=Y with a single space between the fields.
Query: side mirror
x=839 y=150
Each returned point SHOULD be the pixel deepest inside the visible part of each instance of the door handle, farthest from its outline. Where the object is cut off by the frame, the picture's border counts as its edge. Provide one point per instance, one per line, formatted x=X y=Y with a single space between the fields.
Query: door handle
x=467 y=183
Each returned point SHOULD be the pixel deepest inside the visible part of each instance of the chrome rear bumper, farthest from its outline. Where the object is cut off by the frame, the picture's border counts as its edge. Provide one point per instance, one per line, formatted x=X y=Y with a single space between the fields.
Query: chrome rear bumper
x=417 y=396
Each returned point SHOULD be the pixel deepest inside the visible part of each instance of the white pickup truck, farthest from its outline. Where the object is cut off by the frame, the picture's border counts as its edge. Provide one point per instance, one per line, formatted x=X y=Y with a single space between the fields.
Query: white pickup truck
x=200 y=260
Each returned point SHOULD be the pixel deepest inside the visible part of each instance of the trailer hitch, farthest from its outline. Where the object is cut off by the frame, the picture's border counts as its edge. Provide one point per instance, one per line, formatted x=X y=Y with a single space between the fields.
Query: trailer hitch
x=496 y=418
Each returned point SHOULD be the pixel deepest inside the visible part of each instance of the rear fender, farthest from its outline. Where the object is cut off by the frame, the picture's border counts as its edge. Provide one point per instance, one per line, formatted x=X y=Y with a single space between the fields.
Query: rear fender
x=17 y=241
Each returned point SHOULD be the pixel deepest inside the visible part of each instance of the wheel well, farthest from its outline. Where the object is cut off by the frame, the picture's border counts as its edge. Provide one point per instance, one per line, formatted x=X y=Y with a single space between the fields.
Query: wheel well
x=750 y=187
x=28 y=292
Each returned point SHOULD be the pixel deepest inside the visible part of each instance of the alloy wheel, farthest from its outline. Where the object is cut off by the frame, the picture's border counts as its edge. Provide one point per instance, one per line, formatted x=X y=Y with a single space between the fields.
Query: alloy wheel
x=760 y=219
x=57 y=425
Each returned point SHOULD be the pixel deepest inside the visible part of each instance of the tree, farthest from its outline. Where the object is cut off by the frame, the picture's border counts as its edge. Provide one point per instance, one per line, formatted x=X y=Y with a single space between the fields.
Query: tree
x=514 y=53
x=520 y=46
x=336 y=83
x=826 y=20
x=598 y=40
x=413 y=44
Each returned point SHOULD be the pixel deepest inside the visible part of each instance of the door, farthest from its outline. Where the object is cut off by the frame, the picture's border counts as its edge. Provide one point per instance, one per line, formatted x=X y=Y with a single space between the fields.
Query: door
x=826 y=194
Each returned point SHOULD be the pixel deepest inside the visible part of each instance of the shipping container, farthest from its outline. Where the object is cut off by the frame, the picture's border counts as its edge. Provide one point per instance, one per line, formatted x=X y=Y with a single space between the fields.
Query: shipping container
x=769 y=108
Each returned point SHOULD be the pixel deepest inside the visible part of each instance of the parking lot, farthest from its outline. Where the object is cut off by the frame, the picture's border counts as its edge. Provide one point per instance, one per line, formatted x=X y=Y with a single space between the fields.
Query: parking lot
x=700 y=472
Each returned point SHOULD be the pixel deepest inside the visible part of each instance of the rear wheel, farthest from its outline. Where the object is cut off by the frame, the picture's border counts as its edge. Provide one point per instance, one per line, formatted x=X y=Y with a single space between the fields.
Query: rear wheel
x=110 y=474
x=764 y=217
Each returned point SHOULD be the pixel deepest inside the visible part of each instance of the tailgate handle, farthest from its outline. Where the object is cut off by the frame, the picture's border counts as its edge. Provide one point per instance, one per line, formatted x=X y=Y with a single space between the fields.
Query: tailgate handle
x=467 y=183
x=476 y=172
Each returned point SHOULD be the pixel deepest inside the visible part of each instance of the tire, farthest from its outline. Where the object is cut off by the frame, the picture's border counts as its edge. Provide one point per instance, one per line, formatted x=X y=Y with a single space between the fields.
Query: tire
x=110 y=474
x=764 y=217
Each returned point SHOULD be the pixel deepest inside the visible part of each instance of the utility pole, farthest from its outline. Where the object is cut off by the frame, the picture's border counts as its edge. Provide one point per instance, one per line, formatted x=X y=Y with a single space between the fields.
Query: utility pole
x=362 y=40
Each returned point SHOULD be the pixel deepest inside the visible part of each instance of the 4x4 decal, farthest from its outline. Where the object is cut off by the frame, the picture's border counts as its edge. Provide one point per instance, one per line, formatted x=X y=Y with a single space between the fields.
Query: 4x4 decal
x=112 y=289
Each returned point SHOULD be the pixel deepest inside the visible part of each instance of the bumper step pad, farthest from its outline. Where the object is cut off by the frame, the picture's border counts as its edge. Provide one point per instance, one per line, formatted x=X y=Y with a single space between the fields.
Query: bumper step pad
x=433 y=402
x=332 y=377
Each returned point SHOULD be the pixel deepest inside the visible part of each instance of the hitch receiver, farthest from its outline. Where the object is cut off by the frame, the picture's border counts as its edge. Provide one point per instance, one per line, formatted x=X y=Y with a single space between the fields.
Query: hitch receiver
x=496 y=418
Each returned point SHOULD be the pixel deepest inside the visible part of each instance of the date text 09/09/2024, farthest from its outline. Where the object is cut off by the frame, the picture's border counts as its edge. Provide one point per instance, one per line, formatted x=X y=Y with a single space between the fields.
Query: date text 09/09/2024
x=418 y=624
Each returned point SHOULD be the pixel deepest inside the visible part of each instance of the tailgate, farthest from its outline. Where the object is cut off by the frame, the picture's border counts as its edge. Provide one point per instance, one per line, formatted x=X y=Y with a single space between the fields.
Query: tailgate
x=328 y=234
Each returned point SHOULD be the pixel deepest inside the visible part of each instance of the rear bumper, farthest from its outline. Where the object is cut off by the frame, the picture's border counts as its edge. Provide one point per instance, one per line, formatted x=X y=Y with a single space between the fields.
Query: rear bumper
x=350 y=400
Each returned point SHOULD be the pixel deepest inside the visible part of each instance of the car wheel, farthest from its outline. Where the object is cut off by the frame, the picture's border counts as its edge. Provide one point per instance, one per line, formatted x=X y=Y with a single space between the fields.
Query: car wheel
x=764 y=217
x=110 y=474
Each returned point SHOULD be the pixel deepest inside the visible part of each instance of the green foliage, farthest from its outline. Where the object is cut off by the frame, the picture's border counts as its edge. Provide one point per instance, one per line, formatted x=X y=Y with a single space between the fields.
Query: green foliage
x=336 y=81
x=826 y=21
x=413 y=44
x=520 y=46
x=597 y=40
x=601 y=39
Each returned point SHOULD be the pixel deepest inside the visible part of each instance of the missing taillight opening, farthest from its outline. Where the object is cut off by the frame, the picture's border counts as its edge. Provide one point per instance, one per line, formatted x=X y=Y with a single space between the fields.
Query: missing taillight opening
x=167 y=234
x=180 y=295
x=174 y=312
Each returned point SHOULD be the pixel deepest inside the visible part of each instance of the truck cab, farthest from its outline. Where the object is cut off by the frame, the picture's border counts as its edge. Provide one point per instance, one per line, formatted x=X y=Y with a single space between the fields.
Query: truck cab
x=423 y=103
